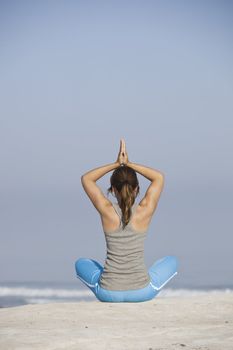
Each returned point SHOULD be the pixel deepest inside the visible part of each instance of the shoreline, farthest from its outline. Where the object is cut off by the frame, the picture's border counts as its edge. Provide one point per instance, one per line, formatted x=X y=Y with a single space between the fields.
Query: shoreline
x=194 y=322
x=23 y=294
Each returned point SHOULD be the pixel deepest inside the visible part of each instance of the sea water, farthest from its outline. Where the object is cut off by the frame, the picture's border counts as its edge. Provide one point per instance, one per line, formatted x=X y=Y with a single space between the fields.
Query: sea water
x=22 y=293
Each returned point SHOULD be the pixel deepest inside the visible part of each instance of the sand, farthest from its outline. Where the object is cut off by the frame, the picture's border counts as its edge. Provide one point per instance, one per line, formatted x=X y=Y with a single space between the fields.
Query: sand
x=194 y=322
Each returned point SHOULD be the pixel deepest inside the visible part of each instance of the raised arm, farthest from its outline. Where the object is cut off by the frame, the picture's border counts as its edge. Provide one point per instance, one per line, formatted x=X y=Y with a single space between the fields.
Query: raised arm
x=152 y=195
x=150 y=173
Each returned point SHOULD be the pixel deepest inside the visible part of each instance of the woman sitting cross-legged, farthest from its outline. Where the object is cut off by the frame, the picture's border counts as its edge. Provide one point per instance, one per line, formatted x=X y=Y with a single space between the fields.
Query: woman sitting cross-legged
x=124 y=276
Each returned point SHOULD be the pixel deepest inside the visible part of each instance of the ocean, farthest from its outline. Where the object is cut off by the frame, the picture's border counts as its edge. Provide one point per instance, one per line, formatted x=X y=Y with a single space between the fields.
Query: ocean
x=22 y=293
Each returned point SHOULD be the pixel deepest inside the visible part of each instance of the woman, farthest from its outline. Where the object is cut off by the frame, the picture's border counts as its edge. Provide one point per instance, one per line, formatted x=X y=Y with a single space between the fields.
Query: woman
x=124 y=277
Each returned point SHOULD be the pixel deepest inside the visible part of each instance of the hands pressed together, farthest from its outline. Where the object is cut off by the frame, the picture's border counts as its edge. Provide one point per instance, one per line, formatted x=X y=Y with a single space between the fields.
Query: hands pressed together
x=122 y=158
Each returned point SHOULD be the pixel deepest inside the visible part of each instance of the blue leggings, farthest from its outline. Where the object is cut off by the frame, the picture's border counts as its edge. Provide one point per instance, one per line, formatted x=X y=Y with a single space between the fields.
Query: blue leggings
x=89 y=272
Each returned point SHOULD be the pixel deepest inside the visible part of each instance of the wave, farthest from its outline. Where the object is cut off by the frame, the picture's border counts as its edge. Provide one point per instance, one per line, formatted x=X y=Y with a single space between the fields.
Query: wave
x=51 y=293
x=42 y=292
x=191 y=292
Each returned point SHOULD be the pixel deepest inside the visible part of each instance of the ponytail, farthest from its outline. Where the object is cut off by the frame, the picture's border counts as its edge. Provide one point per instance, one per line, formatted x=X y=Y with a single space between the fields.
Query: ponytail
x=125 y=181
x=127 y=201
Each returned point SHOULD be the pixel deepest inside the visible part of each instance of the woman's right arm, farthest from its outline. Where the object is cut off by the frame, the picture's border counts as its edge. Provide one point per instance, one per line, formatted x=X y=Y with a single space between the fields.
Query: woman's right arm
x=152 y=195
x=149 y=173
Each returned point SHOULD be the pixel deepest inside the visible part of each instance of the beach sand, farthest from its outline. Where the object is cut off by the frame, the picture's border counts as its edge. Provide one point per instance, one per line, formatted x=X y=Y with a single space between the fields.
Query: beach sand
x=193 y=322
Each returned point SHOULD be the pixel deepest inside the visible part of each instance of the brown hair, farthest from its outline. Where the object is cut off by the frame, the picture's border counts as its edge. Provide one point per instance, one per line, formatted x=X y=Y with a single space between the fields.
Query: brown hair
x=124 y=179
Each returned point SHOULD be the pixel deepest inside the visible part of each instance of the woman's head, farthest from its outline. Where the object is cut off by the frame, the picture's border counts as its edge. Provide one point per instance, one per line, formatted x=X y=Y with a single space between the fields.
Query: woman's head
x=125 y=186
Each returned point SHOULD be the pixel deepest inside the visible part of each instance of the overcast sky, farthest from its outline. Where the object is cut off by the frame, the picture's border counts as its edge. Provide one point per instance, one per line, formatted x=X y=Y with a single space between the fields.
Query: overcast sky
x=76 y=76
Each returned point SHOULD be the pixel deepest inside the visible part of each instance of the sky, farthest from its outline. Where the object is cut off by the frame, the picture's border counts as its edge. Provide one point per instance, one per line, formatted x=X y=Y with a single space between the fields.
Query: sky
x=76 y=77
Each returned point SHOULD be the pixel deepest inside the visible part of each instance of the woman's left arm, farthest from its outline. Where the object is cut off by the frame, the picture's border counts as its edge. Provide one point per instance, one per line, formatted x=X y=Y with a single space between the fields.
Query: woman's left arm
x=93 y=190
x=97 y=173
x=89 y=180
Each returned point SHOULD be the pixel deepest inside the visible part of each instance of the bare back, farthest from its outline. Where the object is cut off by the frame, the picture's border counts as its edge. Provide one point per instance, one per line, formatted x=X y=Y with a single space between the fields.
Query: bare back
x=143 y=213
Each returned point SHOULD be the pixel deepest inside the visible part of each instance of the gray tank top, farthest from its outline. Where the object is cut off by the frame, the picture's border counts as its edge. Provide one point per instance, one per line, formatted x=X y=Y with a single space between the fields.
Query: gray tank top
x=124 y=267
